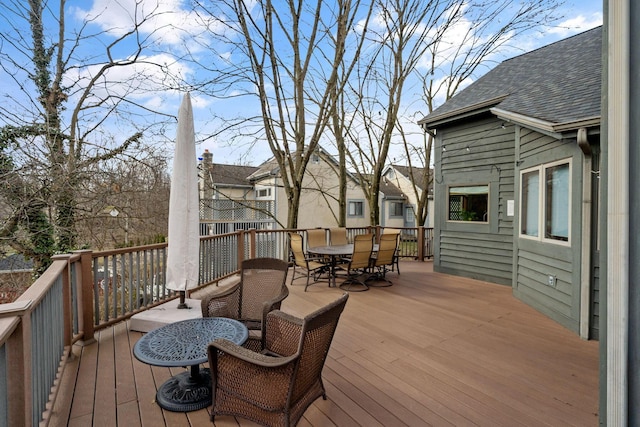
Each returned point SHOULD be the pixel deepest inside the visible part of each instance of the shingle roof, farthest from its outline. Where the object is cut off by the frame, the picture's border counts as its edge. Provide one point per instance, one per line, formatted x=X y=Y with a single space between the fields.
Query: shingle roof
x=390 y=190
x=557 y=83
x=418 y=173
x=231 y=174
x=15 y=262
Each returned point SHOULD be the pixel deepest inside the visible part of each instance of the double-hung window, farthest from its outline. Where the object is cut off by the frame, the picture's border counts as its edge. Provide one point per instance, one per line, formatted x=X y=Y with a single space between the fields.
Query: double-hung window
x=396 y=209
x=545 y=202
x=355 y=208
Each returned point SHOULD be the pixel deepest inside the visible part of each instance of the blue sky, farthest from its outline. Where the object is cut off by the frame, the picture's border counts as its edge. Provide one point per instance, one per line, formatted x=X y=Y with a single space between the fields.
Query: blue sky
x=111 y=16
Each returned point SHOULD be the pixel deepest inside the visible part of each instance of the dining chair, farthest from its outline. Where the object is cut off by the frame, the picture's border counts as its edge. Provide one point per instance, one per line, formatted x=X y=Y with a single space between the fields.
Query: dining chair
x=338 y=236
x=382 y=259
x=358 y=264
x=262 y=288
x=396 y=257
x=276 y=386
x=303 y=264
x=316 y=237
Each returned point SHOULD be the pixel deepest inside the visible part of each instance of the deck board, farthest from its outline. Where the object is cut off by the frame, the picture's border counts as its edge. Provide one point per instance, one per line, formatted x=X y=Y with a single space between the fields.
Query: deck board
x=433 y=349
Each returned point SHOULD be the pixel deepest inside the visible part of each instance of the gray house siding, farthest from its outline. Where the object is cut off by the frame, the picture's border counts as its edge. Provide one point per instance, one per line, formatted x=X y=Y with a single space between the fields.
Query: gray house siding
x=536 y=260
x=480 y=153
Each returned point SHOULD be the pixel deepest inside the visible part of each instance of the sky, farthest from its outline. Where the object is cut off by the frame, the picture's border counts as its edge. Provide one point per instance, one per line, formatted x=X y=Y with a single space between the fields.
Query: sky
x=110 y=17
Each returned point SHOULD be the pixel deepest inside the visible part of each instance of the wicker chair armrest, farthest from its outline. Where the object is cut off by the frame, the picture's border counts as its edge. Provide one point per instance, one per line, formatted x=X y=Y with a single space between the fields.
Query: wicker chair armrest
x=271 y=305
x=224 y=293
x=268 y=307
x=249 y=356
x=285 y=318
x=282 y=333
x=279 y=298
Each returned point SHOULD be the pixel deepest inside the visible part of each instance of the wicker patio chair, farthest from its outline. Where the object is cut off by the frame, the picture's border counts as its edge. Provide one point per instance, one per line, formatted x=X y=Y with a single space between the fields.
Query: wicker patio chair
x=338 y=236
x=382 y=259
x=261 y=289
x=303 y=264
x=358 y=264
x=276 y=386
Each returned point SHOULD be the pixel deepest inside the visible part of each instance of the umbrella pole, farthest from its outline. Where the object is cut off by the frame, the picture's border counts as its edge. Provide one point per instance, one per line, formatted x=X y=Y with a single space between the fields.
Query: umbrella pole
x=182 y=304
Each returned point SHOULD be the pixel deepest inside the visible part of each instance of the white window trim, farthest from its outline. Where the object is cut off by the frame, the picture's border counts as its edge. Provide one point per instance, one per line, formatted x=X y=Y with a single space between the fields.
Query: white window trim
x=542 y=195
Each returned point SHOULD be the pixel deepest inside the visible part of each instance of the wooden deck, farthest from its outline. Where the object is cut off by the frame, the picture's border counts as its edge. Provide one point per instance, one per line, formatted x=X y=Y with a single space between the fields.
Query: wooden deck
x=431 y=350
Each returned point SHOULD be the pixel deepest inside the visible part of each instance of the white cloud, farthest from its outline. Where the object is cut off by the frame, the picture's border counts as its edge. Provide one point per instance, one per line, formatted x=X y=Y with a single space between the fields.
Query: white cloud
x=141 y=81
x=577 y=24
x=165 y=22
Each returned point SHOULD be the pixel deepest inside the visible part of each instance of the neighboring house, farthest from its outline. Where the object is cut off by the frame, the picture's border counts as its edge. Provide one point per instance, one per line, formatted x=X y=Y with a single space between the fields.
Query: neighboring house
x=399 y=201
x=517 y=161
x=229 y=201
x=235 y=197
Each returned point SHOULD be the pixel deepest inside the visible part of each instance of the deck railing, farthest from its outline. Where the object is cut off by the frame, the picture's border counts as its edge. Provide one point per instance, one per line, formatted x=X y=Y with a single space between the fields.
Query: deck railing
x=86 y=291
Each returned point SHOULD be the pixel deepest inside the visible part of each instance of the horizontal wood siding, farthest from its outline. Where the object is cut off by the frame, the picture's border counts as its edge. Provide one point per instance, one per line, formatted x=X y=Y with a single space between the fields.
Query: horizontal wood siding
x=537 y=260
x=476 y=154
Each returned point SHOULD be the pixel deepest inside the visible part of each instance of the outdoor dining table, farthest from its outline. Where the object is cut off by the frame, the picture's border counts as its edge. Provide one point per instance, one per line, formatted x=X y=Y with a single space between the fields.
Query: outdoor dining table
x=334 y=252
x=185 y=343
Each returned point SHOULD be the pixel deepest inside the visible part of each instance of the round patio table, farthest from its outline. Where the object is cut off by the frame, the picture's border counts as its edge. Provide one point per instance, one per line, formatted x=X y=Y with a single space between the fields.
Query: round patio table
x=185 y=343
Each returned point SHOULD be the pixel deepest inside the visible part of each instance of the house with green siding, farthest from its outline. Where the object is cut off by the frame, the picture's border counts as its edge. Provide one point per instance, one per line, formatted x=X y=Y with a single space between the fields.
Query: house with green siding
x=516 y=179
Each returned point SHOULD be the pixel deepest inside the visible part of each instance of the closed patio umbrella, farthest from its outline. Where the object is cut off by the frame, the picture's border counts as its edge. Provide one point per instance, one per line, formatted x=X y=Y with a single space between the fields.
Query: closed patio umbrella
x=183 y=236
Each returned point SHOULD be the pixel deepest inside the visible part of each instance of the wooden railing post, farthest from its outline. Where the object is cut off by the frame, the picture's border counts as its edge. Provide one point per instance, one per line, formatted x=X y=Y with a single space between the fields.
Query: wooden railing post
x=420 y=240
x=240 y=249
x=67 y=310
x=19 y=376
x=252 y=243
x=84 y=291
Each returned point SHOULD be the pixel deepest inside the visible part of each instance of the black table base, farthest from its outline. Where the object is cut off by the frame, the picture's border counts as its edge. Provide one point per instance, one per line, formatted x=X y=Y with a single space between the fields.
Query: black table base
x=185 y=392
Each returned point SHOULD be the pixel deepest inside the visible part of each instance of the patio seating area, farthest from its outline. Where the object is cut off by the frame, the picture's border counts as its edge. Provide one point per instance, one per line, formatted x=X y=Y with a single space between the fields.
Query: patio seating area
x=432 y=349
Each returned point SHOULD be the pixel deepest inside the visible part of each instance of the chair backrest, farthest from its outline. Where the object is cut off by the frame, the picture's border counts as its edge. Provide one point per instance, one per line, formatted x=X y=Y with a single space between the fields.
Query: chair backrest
x=318 y=329
x=316 y=237
x=394 y=231
x=262 y=279
x=362 y=247
x=338 y=236
x=386 y=249
x=297 y=249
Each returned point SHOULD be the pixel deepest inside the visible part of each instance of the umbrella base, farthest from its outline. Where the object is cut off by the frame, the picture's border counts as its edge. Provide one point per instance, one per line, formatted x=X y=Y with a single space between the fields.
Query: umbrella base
x=185 y=392
x=163 y=314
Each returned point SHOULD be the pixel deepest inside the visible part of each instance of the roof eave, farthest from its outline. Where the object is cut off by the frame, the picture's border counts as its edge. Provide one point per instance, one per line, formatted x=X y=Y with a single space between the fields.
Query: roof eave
x=430 y=122
x=552 y=128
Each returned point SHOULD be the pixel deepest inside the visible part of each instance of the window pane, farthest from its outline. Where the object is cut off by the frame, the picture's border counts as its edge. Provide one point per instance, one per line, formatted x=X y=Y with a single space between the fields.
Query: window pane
x=530 y=201
x=469 y=203
x=395 y=209
x=557 y=203
x=355 y=209
x=410 y=216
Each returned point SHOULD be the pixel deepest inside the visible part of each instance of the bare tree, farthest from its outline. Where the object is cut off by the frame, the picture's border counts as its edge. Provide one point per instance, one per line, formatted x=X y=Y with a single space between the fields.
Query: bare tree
x=403 y=32
x=126 y=203
x=63 y=113
x=286 y=57
x=451 y=40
